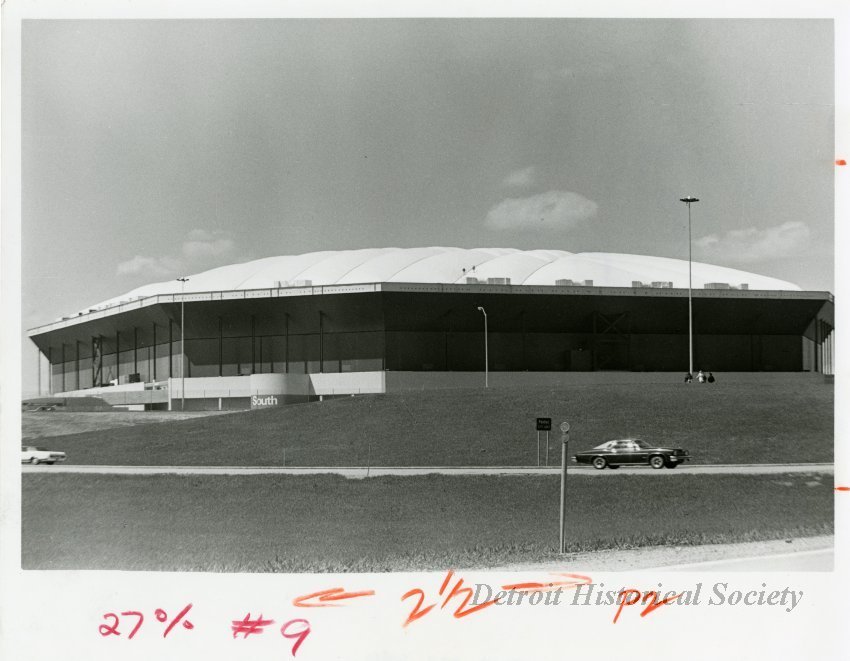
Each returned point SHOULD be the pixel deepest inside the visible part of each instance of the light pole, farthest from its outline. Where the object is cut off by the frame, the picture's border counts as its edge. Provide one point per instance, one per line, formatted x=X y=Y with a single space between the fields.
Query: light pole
x=690 y=200
x=486 y=353
x=565 y=441
x=183 y=282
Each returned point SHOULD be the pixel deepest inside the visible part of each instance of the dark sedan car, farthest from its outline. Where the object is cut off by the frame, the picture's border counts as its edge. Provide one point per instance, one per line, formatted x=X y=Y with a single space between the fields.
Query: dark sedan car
x=631 y=452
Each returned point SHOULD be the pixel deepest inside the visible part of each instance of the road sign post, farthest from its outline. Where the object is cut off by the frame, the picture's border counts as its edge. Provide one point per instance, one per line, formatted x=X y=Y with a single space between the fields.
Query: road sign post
x=543 y=424
x=565 y=440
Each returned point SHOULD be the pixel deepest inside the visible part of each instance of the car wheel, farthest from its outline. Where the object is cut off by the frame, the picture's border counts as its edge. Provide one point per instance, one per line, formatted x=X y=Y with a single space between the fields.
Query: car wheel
x=33 y=461
x=49 y=463
x=670 y=464
x=599 y=463
x=613 y=467
x=657 y=461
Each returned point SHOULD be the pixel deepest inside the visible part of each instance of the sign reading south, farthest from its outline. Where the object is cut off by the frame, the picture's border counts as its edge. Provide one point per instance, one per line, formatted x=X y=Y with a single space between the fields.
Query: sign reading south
x=263 y=401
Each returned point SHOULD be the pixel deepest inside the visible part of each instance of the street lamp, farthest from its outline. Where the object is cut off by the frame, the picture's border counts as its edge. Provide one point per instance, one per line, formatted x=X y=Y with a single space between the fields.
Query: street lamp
x=183 y=282
x=565 y=441
x=690 y=200
x=486 y=354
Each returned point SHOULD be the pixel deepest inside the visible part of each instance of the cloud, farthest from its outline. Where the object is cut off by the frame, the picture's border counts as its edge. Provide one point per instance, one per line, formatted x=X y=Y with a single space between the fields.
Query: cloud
x=755 y=245
x=559 y=210
x=197 y=250
x=200 y=243
x=155 y=266
x=524 y=178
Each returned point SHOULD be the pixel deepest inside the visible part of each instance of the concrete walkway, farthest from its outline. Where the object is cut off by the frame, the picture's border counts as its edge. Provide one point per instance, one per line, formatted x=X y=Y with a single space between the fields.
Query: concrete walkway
x=359 y=472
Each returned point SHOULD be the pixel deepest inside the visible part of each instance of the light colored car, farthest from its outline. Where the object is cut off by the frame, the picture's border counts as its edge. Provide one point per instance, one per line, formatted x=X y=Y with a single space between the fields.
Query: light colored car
x=33 y=455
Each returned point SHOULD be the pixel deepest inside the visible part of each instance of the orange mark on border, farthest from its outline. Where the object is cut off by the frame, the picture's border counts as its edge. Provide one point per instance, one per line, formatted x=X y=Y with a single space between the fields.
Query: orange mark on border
x=417 y=611
x=642 y=598
x=334 y=594
x=842 y=488
x=461 y=611
x=841 y=161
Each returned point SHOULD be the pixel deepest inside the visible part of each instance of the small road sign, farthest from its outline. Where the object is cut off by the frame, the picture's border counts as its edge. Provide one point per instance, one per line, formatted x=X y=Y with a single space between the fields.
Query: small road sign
x=544 y=424
x=565 y=427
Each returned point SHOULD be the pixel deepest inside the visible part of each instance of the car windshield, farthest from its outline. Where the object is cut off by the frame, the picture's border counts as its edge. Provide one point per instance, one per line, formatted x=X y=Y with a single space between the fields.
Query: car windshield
x=642 y=444
x=605 y=445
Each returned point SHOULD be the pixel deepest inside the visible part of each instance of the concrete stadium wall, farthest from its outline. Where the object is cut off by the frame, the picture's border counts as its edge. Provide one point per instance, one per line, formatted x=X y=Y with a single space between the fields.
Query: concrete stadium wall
x=76 y=404
x=235 y=393
x=130 y=394
x=347 y=383
x=241 y=386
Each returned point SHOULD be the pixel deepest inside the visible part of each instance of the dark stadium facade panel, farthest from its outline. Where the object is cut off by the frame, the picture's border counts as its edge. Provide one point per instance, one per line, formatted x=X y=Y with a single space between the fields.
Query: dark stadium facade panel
x=438 y=328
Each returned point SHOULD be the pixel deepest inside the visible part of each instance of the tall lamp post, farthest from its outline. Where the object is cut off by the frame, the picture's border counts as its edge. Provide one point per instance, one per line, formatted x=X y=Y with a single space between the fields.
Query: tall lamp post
x=486 y=353
x=183 y=282
x=689 y=200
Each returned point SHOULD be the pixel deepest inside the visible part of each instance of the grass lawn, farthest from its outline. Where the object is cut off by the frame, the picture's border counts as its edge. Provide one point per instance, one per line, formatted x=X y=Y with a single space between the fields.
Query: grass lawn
x=734 y=423
x=44 y=424
x=329 y=523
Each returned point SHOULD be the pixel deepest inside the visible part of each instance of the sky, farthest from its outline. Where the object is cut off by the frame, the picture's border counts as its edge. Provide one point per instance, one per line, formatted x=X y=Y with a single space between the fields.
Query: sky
x=154 y=149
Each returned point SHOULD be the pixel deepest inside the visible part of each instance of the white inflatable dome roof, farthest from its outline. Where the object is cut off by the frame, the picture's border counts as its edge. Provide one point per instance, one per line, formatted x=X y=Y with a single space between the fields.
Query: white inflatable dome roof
x=455 y=266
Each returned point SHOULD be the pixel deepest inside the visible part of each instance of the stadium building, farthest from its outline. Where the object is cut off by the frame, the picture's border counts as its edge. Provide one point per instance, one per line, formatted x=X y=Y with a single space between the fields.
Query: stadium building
x=333 y=323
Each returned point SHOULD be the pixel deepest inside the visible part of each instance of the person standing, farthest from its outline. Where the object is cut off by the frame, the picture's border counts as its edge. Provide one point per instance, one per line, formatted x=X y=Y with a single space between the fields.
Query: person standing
x=701 y=376
x=710 y=378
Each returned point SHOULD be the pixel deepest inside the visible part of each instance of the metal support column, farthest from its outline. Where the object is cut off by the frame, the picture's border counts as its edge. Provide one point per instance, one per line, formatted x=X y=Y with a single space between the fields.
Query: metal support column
x=321 y=343
x=828 y=361
x=135 y=350
x=49 y=370
x=594 y=351
x=825 y=350
x=220 y=347
x=829 y=351
x=522 y=316
x=63 y=367
x=117 y=357
x=170 y=349
x=832 y=351
x=97 y=361
x=286 y=346
x=77 y=362
x=253 y=345
x=817 y=345
x=153 y=356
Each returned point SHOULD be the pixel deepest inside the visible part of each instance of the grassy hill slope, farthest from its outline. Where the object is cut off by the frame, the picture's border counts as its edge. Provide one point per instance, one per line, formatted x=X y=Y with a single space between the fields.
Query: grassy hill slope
x=734 y=423
x=294 y=523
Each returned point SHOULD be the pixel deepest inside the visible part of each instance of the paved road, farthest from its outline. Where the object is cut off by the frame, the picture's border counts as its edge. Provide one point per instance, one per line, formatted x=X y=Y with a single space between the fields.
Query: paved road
x=816 y=560
x=775 y=555
x=356 y=473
